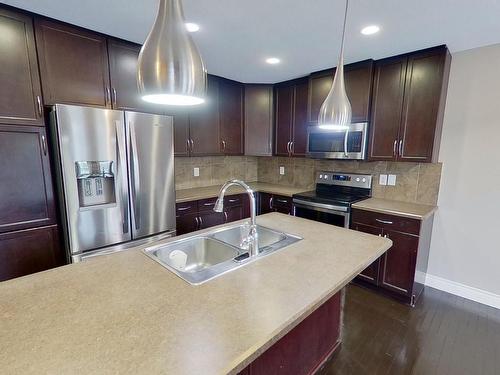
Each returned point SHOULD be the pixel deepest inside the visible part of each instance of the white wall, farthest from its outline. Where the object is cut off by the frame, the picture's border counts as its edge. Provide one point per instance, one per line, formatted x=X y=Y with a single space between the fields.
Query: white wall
x=465 y=245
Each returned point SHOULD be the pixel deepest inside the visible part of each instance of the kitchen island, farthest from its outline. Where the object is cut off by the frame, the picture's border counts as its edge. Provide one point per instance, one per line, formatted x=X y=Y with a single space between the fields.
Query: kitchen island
x=124 y=313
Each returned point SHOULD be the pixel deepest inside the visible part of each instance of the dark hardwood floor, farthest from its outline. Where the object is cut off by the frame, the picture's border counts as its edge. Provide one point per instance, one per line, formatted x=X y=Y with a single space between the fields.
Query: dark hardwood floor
x=444 y=334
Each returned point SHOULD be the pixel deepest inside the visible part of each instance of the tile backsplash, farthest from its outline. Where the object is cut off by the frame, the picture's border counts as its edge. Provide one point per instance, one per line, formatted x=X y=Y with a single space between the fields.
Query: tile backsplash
x=415 y=182
x=214 y=170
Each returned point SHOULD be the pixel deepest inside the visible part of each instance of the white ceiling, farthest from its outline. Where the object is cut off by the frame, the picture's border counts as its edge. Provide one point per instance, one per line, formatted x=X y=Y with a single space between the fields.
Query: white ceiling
x=236 y=36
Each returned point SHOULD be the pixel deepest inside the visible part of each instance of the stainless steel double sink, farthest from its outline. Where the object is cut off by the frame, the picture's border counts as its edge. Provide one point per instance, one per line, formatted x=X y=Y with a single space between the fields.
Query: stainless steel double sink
x=200 y=258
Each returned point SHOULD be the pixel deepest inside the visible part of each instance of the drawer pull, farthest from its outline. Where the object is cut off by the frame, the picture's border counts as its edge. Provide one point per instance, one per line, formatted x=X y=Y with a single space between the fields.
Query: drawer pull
x=281 y=200
x=209 y=204
x=233 y=200
x=183 y=208
x=384 y=221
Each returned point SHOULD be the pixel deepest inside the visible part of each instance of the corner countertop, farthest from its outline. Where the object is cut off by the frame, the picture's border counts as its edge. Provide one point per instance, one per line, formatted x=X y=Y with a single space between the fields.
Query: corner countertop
x=124 y=313
x=404 y=209
x=192 y=194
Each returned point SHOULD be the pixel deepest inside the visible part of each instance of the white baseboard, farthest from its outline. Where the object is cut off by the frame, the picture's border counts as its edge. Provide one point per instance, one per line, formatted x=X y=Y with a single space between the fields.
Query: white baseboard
x=465 y=291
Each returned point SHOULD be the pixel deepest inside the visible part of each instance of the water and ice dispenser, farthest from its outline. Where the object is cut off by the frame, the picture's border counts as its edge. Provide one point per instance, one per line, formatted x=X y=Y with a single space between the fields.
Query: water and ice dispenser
x=96 y=183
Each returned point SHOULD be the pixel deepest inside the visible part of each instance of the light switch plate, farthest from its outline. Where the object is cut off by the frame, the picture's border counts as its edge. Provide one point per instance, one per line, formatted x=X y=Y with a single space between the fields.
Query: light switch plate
x=282 y=171
x=383 y=179
x=196 y=172
x=391 y=180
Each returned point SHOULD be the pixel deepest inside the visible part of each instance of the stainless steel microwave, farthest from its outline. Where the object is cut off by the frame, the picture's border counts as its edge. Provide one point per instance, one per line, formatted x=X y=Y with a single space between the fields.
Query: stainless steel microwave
x=347 y=144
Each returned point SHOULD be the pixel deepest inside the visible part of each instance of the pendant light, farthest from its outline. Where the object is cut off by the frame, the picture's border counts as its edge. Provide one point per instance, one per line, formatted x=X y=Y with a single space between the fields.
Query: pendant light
x=335 y=112
x=170 y=69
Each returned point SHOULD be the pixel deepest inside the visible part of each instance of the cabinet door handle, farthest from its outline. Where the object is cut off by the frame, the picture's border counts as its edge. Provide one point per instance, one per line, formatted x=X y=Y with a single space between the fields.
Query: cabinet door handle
x=108 y=96
x=39 y=105
x=197 y=222
x=192 y=145
x=188 y=145
x=223 y=146
x=271 y=203
x=114 y=98
x=201 y=221
x=225 y=216
x=401 y=148
x=384 y=221
x=44 y=145
x=394 y=148
x=291 y=147
x=386 y=236
x=183 y=208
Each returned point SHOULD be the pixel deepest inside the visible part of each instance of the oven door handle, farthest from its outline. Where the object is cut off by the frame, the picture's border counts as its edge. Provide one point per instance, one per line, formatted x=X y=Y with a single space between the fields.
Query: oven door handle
x=346 y=137
x=324 y=206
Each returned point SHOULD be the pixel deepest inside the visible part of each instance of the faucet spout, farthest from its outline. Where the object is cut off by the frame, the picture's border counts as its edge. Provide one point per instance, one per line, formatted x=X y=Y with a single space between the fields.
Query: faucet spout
x=252 y=239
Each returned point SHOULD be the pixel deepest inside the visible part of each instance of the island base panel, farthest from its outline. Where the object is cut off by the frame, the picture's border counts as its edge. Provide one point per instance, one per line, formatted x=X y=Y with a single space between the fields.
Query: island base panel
x=306 y=348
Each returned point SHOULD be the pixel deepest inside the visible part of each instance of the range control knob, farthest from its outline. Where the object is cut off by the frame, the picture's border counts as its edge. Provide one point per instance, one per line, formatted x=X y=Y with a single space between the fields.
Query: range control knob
x=364 y=179
x=357 y=179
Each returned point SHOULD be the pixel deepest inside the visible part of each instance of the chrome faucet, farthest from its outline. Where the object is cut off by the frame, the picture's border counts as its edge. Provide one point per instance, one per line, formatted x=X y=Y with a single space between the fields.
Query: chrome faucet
x=252 y=240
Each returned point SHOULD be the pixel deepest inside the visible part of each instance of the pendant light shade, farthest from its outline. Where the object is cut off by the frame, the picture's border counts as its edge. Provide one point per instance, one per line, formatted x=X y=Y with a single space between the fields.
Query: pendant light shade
x=170 y=69
x=336 y=112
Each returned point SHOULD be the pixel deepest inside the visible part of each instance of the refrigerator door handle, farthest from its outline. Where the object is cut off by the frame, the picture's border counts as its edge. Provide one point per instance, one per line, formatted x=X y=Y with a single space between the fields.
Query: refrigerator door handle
x=136 y=185
x=122 y=166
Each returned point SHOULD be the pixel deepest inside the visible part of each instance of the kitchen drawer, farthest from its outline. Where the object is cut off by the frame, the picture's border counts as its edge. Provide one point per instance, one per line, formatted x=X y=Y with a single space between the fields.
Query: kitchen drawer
x=386 y=221
x=281 y=201
x=234 y=200
x=206 y=204
x=186 y=208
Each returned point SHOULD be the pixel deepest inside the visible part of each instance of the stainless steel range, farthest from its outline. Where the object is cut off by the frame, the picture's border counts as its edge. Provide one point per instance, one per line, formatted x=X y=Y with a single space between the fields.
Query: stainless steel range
x=331 y=201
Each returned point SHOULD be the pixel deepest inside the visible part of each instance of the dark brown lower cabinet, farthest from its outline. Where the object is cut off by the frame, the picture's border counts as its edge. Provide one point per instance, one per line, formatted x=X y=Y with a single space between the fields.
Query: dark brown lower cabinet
x=195 y=215
x=306 y=347
x=370 y=273
x=274 y=203
x=29 y=251
x=400 y=271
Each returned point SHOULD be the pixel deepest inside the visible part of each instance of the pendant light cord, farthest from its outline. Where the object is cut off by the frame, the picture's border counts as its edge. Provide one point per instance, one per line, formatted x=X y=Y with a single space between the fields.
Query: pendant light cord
x=343 y=32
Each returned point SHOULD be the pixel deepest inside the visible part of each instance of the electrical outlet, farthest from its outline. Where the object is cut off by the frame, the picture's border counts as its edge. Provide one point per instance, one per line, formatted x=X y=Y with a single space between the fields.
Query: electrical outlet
x=391 y=180
x=383 y=179
x=196 y=172
x=282 y=171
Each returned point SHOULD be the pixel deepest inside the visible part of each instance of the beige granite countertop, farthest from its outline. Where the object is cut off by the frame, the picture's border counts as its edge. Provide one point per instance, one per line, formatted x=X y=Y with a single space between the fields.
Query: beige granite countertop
x=125 y=314
x=404 y=209
x=186 y=195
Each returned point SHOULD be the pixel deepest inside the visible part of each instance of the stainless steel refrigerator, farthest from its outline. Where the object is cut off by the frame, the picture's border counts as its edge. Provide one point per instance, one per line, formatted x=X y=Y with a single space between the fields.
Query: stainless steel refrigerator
x=115 y=173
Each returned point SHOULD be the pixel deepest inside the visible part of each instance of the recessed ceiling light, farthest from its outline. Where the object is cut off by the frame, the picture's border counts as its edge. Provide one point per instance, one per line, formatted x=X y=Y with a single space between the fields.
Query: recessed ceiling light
x=273 y=60
x=192 y=27
x=369 y=30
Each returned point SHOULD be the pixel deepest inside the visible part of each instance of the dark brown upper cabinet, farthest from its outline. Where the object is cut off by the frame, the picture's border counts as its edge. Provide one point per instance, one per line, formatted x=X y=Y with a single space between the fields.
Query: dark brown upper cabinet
x=125 y=95
x=73 y=65
x=283 y=118
x=259 y=119
x=182 y=144
x=20 y=91
x=26 y=194
x=231 y=117
x=123 y=74
x=204 y=122
x=409 y=96
x=358 y=81
x=291 y=117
